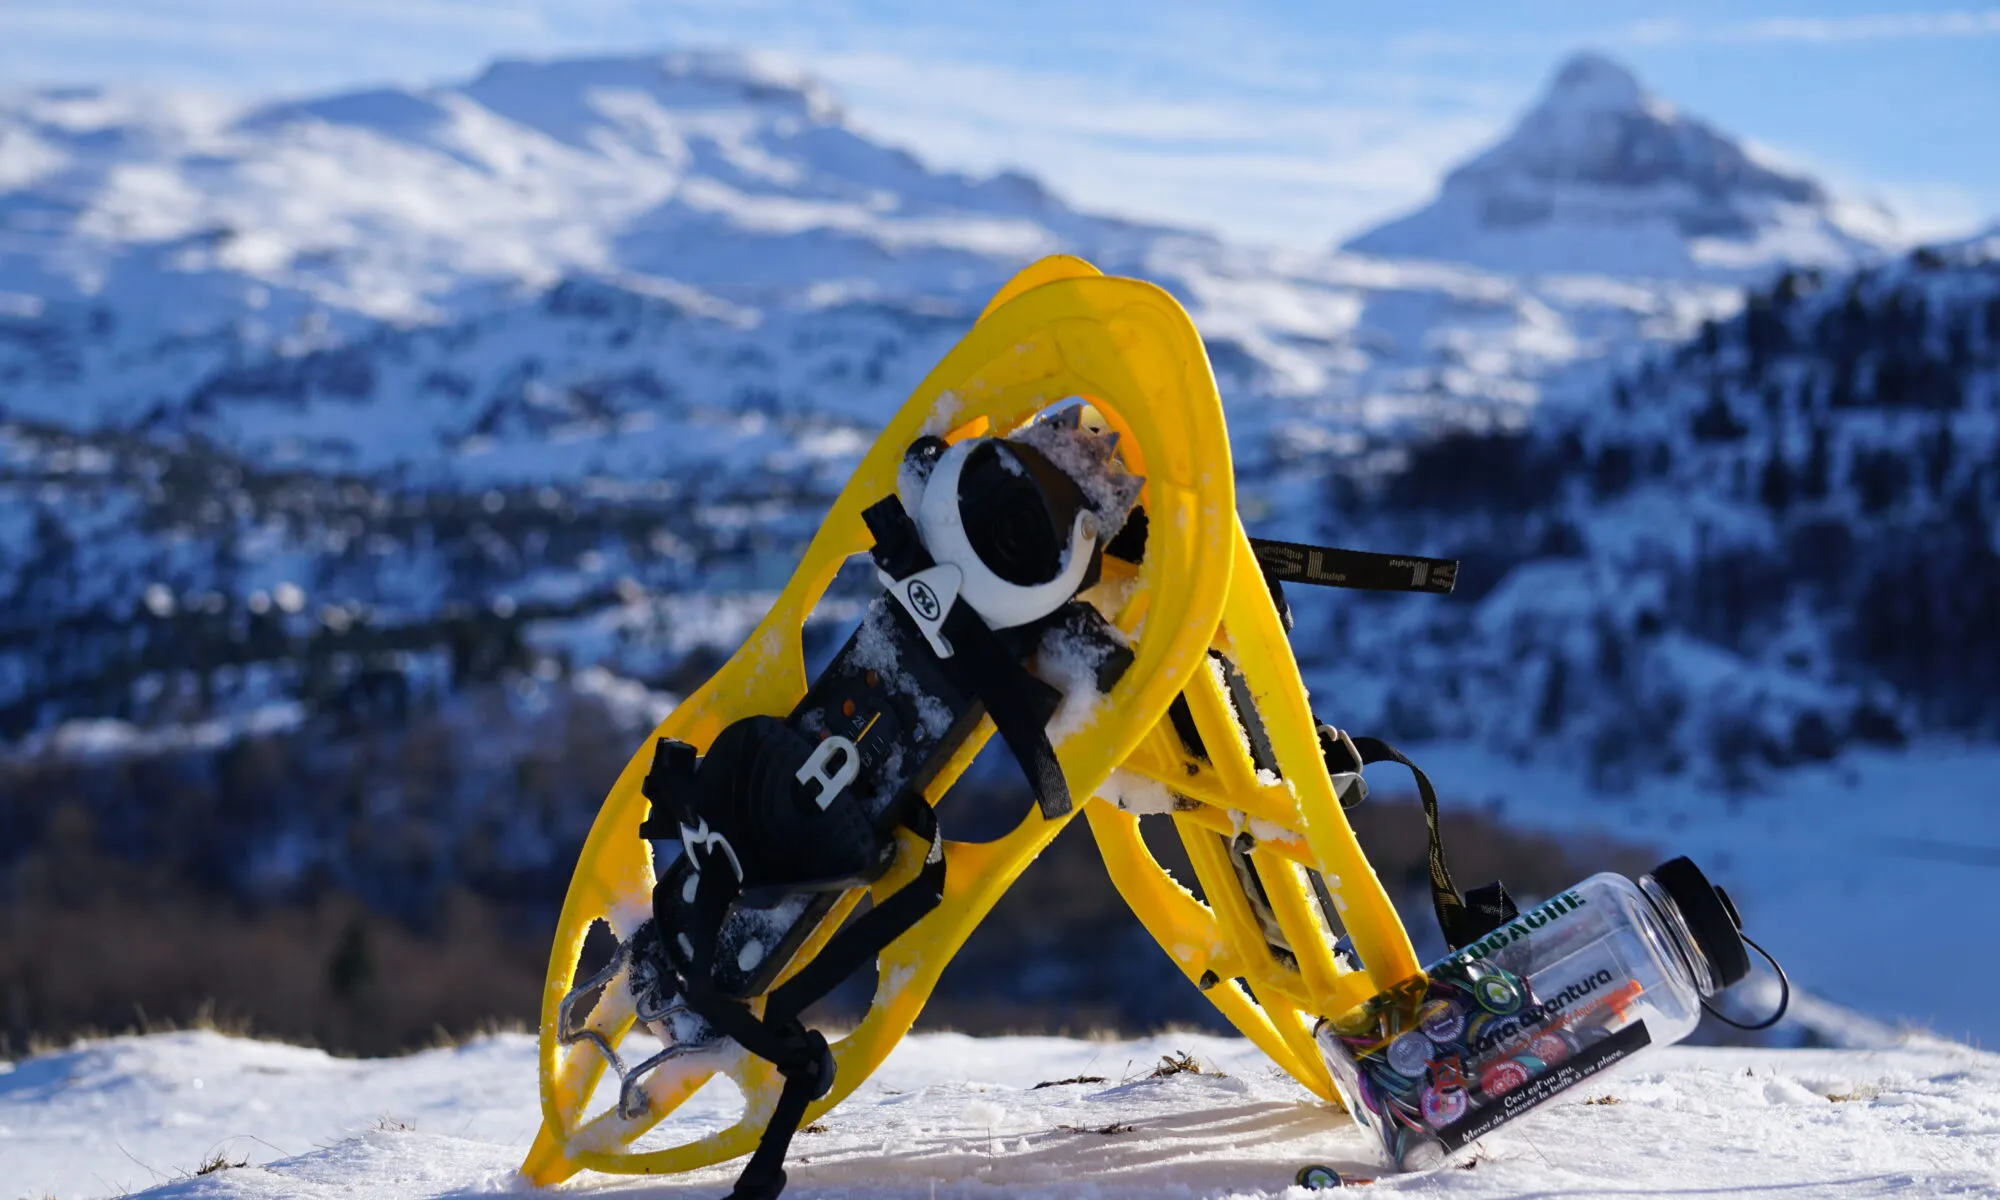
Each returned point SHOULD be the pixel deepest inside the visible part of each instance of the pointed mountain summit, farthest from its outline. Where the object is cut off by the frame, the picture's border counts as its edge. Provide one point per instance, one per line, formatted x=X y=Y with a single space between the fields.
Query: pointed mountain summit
x=1603 y=177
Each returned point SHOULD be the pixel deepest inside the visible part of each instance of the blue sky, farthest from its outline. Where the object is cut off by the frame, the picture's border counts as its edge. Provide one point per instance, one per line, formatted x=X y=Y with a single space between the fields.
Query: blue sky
x=1280 y=121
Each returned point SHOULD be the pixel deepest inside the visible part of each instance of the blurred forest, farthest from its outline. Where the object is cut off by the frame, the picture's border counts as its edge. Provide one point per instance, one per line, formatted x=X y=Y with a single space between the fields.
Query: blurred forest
x=134 y=909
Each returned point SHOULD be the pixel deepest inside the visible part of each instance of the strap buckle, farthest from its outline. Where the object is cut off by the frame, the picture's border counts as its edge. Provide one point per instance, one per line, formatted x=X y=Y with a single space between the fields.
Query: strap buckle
x=814 y=770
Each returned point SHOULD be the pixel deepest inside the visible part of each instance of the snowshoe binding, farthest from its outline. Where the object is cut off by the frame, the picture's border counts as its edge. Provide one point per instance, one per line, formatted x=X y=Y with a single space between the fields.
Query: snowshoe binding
x=995 y=508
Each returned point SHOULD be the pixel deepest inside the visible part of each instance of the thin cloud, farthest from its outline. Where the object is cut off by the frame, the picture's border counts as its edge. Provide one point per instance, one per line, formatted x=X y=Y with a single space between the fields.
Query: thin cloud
x=1671 y=31
x=1877 y=27
x=1303 y=172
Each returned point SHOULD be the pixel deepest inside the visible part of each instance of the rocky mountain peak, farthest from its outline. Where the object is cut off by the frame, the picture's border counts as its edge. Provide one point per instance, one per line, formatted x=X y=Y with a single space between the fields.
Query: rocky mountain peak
x=1589 y=80
x=1601 y=176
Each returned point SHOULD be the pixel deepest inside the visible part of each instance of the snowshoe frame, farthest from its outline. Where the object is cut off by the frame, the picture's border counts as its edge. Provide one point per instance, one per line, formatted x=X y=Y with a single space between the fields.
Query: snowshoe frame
x=1059 y=330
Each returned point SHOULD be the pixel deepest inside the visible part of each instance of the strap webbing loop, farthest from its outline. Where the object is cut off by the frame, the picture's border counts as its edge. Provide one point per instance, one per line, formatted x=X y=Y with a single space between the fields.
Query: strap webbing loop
x=1329 y=566
x=1463 y=919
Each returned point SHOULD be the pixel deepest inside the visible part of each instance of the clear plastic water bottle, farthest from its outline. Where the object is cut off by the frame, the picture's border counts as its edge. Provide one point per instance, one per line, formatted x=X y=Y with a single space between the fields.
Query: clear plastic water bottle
x=1548 y=1000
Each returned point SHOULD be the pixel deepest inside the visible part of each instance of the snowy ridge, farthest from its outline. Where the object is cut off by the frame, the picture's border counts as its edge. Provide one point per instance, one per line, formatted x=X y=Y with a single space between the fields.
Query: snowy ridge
x=167 y=254
x=1601 y=176
x=598 y=375
x=949 y=1115
x=418 y=204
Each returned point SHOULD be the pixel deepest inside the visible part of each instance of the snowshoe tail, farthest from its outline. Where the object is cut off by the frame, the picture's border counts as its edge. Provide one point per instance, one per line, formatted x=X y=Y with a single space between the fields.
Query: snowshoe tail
x=1239 y=764
x=717 y=954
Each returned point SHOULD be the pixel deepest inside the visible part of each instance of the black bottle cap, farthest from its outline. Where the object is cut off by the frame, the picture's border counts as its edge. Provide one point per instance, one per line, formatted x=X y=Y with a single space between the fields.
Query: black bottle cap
x=1710 y=916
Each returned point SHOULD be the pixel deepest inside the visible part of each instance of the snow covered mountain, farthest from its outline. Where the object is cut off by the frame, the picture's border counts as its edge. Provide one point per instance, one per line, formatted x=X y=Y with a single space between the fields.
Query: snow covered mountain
x=612 y=278
x=480 y=402
x=164 y=258
x=234 y=343
x=717 y=171
x=1603 y=177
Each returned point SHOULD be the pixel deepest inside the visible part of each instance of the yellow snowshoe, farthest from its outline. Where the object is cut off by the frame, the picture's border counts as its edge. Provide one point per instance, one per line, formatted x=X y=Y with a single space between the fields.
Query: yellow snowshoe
x=1298 y=926
x=999 y=524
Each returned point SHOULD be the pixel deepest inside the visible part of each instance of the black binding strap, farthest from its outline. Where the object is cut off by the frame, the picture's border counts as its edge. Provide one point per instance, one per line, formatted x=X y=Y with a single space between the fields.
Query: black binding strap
x=1019 y=703
x=801 y=1054
x=1463 y=919
x=981 y=663
x=667 y=788
x=1296 y=562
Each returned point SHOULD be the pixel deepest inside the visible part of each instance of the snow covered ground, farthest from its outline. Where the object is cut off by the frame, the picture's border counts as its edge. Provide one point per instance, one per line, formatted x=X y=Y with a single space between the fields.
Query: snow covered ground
x=951 y=1115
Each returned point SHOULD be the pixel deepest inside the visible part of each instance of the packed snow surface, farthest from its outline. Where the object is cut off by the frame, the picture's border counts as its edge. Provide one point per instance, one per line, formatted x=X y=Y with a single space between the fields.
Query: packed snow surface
x=956 y=1116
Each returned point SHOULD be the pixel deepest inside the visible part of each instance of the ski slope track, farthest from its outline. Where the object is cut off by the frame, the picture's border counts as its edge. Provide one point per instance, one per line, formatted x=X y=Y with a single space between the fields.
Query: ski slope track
x=955 y=1116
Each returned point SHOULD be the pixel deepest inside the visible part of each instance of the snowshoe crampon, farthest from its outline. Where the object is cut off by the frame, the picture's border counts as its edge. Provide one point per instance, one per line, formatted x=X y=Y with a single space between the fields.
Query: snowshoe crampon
x=788 y=799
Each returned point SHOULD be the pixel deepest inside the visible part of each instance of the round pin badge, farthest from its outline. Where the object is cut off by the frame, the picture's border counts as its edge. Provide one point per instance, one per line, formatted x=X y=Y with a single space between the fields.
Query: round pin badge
x=1497 y=993
x=1419 y=1151
x=1410 y=1053
x=1364 y=1091
x=1442 y=1021
x=1316 y=1178
x=1389 y=1085
x=1477 y=1025
x=1553 y=1048
x=1408 y=1118
x=1503 y=1077
x=1442 y=1106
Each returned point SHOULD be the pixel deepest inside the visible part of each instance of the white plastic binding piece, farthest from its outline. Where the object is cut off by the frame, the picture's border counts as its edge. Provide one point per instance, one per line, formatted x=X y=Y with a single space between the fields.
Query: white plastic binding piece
x=927 y=596
x=1002 y=605
x=832 y=785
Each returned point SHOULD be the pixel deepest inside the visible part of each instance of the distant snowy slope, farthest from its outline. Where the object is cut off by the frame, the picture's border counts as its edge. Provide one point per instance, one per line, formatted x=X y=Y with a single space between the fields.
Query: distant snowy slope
x=254 y=274
x=718 y=170
x=1603 y=177
x=955 y=1116
x=1767 y=547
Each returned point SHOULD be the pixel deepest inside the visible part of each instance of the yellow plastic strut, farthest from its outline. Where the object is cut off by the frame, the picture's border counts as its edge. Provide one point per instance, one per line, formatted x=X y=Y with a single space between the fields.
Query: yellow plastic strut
x=1058 y=331
x=1255 y=834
